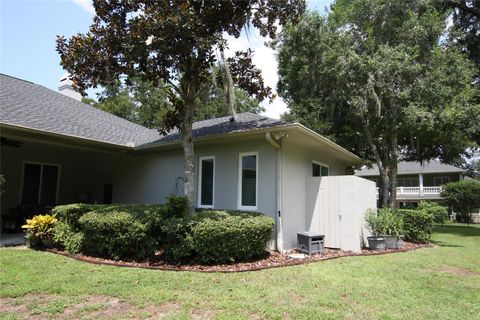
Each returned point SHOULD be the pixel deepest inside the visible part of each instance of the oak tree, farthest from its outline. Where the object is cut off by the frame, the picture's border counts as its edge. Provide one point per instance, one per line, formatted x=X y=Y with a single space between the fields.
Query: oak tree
x=172 y=43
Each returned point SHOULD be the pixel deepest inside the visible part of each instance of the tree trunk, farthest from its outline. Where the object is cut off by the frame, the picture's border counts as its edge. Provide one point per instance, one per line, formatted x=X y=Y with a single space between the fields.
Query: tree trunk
x=392 y=202
x=189 y=166
x=383 y=191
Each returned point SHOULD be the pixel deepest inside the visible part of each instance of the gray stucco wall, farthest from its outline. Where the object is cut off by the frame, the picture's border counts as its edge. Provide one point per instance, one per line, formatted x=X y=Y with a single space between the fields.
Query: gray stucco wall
x=296 y=167
x=151 y=178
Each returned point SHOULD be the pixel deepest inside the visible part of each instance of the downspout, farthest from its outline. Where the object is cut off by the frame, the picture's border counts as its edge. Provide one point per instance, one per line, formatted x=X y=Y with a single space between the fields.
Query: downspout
x=276 y=145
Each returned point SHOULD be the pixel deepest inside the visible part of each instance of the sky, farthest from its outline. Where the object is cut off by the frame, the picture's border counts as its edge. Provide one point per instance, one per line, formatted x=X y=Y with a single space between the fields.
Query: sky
x=28 y=29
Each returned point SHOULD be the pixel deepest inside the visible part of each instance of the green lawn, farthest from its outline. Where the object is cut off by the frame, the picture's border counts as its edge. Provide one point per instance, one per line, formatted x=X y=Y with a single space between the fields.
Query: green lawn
x=432 y=283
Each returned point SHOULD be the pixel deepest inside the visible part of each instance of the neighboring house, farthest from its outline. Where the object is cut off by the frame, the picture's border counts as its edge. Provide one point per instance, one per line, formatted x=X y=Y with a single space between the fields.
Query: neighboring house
x=418 y=181
x=58 y=150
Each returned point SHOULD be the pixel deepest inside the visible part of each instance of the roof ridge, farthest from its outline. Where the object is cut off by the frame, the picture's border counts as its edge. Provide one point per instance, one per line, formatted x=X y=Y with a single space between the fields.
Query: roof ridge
x=7 y=75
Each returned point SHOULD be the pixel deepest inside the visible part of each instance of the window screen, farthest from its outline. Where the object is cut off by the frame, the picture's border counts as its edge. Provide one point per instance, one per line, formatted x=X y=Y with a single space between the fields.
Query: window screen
x=249 y=180
x=319 y=171
x=207 y=170
x=31 y=183
x=40 y=184
x=49 y=185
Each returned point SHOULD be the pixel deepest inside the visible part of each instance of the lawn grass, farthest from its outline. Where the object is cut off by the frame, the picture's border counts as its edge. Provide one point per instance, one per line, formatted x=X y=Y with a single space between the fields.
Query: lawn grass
x=433 y=283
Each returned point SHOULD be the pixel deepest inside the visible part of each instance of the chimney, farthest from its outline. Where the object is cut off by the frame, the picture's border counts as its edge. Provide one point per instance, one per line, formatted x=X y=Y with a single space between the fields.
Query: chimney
x=65 y=86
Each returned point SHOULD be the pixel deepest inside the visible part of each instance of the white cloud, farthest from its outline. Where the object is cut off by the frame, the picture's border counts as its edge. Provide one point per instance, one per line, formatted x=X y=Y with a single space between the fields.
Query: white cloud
x=264 y=58
x=85 y=5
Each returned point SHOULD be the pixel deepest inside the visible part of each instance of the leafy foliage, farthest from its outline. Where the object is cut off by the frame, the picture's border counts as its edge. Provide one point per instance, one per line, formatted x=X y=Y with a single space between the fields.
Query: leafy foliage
x=438 y=212
x=217 y=237
x=40 y=226
x=65 y=236
x=417 y=224
x=116 y=235
x=172 y=45
x=373 y=77
x=384 y=222
x=463 y=196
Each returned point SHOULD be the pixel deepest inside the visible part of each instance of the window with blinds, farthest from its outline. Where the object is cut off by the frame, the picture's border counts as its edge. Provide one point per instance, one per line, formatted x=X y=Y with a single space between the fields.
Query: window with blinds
x=206 y=182
x=248 y=180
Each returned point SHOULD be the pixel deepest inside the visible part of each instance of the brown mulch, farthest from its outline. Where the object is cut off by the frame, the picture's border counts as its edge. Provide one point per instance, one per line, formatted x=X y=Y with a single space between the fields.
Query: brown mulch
x=271 y=260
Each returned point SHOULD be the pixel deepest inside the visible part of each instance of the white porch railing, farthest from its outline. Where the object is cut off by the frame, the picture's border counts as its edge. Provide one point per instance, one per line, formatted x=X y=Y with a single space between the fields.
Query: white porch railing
x=418 y=191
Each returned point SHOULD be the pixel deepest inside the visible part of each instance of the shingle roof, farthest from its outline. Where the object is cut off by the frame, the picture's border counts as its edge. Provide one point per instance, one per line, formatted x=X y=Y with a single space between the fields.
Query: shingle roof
x=245 y=122
x=33 y=106
x=411 y=167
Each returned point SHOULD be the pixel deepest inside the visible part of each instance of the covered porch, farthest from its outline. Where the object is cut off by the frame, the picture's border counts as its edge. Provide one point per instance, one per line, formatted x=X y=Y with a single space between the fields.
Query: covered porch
x=41 y=172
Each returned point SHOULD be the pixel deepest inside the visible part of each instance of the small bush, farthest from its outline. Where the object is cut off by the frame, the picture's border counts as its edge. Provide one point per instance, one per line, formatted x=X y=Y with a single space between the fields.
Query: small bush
x=417 y=224
x=40 y=226
x=384 y=222
x=217 y=237
x=115 y=235
x=64 y=235
x=439 y=213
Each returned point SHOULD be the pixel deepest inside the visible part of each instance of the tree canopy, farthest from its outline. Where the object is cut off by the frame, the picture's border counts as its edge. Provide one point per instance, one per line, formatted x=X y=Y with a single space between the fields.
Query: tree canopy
x=374 y=77
x=174 y=45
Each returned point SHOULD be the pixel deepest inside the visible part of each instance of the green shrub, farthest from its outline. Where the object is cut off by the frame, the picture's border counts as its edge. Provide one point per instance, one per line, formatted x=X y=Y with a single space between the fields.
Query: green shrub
x=384 y=222
x=464 y=197
x=116 y=235
x=217 y=236
x=70 y=213
x=64 y=235
x=236 y=237
x=417 y=224
x=438 y=212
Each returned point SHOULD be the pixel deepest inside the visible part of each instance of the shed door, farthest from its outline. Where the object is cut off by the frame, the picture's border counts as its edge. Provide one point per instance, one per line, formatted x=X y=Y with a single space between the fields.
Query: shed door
x=327 y=209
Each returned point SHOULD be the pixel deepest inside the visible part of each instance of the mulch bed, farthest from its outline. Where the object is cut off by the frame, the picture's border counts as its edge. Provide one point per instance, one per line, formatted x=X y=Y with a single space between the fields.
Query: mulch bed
x=271 y=260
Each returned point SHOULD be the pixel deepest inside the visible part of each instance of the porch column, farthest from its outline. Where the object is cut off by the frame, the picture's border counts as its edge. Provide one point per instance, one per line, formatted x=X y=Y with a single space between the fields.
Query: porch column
x=420 y=182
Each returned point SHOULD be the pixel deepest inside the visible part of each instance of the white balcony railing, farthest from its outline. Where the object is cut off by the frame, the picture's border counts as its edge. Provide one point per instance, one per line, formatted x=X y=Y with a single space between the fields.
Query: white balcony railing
x=418 y=191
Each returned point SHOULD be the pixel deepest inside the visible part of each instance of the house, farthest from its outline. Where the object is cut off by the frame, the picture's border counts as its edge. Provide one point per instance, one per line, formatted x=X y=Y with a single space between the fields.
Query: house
x=418 y=181
x=58 y=150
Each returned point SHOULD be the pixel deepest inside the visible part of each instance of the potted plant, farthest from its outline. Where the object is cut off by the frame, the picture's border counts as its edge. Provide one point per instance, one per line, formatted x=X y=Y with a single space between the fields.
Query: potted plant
x=374 y=224
x=392 y=228
x=40 y=227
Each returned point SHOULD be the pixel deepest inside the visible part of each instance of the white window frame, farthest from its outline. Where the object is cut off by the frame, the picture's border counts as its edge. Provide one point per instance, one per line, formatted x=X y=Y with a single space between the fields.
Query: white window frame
x=441 y=178
x=41 y=164
x=240 y=157
x=322 y=165
x=200 y=166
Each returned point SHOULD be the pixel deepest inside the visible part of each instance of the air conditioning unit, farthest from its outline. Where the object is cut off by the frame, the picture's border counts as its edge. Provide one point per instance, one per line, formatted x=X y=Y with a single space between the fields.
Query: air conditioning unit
x=310 y=242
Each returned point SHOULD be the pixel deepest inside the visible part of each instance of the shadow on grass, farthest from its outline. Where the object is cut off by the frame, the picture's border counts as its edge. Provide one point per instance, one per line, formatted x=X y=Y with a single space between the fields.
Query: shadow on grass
x=458 y=229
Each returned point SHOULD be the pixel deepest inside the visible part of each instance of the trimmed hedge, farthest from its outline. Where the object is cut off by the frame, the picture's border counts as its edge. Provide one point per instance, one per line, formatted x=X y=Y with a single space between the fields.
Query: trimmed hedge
x=217 y=237
x=84 y=227
x=116 y=235
x=135 y=231
x=417 y=224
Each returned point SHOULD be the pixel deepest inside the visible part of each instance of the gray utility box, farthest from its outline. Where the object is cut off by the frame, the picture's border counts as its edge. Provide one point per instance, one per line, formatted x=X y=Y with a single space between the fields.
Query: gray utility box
x=310 y=242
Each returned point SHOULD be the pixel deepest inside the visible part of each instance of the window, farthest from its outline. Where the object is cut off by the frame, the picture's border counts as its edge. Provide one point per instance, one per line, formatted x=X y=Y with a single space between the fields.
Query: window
x=319 y=170
x=439 y=181
x=206 y=182
x=40 y=183
x=248 y=180
x=407 y=182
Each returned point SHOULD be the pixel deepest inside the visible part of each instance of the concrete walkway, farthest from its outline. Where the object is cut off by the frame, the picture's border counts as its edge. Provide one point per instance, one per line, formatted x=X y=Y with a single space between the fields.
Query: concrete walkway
x=11 y=239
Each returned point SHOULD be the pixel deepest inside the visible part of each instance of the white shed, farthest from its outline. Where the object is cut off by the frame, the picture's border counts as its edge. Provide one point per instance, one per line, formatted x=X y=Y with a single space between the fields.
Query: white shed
x=335 y=207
